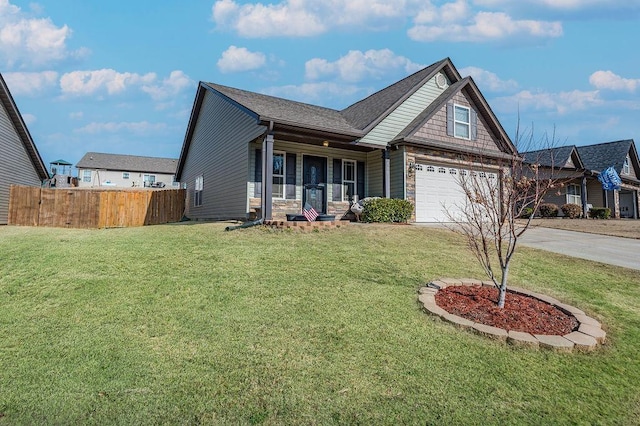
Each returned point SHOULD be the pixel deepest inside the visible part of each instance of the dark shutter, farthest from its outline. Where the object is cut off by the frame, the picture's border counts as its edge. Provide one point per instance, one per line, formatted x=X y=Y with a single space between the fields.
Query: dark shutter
x=337 y=180
x=360 y=177
x=474 y=125
x=450 y=117
x=290 y=190
x=257 y=187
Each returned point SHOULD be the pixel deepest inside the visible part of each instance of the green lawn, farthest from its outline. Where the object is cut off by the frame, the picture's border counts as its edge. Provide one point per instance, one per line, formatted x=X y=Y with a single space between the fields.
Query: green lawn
x=188 y=324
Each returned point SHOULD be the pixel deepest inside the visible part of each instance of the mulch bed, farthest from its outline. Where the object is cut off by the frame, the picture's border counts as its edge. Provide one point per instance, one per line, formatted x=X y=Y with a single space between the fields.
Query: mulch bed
x=520 y=313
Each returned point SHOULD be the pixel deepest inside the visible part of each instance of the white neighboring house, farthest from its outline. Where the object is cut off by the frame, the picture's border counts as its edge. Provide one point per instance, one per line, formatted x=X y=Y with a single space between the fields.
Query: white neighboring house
x=97 y=169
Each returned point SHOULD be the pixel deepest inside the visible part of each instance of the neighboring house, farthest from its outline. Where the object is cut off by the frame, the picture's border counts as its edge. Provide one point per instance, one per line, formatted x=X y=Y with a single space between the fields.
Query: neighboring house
x=96 y=169
x=585 y=163
x=564 y=164
x=410 y=140
x=22 y=164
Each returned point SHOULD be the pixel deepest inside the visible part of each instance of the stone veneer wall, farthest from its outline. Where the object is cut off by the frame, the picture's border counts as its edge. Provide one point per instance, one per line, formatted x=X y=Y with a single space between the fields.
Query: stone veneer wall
x=281 y=208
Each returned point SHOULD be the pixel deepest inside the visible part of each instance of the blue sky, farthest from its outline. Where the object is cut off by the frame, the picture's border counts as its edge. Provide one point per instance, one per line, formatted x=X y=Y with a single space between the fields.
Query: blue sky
x=120 y=76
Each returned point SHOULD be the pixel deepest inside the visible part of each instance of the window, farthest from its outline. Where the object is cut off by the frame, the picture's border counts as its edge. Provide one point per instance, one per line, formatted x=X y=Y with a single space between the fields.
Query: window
x=278 y=175
x=197 y=191
x=149 y=180
x=462 y=122
x=125 y=175
x=348 y=179
x=573 y=194
x=86 y=175
x=626 y=167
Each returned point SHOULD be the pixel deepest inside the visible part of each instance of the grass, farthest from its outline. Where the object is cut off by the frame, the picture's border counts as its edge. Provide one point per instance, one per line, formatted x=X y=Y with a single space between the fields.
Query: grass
x=627 y=228
x=188 y=324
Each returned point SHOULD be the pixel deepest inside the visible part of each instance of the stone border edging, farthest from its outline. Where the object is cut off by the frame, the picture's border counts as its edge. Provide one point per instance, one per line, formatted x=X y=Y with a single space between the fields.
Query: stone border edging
x=586 y=338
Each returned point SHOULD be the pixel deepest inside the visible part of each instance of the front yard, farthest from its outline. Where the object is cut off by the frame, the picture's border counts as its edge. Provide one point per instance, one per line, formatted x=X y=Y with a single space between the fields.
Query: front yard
x=628 y=228
x=188 y=324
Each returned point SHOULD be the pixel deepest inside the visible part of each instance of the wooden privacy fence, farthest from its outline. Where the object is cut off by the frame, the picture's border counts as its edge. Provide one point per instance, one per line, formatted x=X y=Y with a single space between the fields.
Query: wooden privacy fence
x=94 y=208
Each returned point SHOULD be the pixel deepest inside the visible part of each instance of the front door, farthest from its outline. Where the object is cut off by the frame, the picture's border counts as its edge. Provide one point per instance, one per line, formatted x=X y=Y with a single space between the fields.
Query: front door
x=314 y=180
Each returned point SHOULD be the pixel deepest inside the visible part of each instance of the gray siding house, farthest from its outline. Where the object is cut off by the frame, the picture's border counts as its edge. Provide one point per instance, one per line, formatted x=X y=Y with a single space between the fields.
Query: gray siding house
x=96 y=169
x=22 y=162
x=247 y=154
x=581 y=166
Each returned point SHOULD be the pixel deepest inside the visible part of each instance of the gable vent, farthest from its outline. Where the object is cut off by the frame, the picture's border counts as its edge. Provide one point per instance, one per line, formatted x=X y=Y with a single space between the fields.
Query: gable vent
x=441 y=81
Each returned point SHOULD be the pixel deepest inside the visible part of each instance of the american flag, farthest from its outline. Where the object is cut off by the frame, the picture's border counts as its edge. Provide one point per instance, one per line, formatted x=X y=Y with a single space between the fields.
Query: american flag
x=309 y=212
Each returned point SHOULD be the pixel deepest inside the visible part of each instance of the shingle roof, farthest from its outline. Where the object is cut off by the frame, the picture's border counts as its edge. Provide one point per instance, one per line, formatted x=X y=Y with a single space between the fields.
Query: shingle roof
x=133 y=163
x=285 y=111
x=599 y=157
x=551 y=157
x=21 y=128
x=367 y=111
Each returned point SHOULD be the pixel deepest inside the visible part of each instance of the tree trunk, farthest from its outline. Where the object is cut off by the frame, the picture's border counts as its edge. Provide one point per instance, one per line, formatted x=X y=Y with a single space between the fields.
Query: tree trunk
x=503 y=287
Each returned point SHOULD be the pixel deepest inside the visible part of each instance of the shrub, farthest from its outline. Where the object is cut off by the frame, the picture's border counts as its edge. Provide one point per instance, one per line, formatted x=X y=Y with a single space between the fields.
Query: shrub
x=526 y=213
x=548 y=210
x=386 y=210
x=600 y=213
x=571 y=211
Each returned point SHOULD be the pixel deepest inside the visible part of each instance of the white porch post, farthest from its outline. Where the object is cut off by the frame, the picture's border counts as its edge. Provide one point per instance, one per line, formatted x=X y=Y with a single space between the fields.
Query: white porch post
x=386 y=158
x=267 y=178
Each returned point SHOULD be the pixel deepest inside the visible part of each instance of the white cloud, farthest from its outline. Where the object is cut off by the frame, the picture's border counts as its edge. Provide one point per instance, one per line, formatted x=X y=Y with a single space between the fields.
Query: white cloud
x=356 y=65
x=313 y=92
x=239 y=59
x=488 y=80
x=138 y=128
x=76 y=115
x=30 y=83
x=611 y=81
x=87 y=83
x=438 y=24
x=300 y=18
x=28 y=41
x=177 y=82
x=561 y=103
x=29 y=119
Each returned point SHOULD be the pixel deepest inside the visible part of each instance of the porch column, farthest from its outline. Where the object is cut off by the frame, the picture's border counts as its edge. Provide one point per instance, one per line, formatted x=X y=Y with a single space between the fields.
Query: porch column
x=616 y=204
x=386 y=165
x=584 y=197
x=267 y=178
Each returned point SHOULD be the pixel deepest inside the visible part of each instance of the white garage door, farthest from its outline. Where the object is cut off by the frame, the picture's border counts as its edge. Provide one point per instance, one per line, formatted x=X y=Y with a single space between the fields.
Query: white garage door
x=438 y=190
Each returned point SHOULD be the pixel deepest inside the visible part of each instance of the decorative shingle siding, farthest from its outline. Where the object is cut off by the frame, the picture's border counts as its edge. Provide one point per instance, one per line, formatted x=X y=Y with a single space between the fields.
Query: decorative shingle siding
x=219 y=152
x=436 y=129
x=400 y=118
x=17 y=166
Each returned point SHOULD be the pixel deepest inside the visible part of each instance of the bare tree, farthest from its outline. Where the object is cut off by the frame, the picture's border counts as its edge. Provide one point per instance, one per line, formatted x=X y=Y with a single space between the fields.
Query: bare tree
x=493 y=216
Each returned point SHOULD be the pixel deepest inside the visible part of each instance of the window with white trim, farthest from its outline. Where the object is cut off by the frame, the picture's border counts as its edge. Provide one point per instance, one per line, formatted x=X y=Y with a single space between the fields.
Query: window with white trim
x=626 y=167
x=461 y=122
x=86 y=175
x=149 y=180
x=574 y=194
x=198 y=187
x=125 y=175
x=348 y=179
x=278 y=174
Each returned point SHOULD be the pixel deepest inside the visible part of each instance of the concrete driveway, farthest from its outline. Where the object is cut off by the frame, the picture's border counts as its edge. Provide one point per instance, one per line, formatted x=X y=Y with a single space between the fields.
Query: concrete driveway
x=617 y=251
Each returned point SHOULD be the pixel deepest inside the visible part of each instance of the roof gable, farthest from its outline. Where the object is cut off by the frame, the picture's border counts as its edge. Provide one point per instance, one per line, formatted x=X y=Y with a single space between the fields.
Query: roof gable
x=601 y=156
x=467 y=86
x=21 y=129
x=368 y=112
x=98 y=160
x=566 y=157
